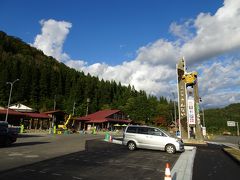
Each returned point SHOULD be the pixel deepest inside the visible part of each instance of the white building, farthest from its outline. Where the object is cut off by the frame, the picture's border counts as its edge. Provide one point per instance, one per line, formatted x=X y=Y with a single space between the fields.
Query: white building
x=21 y=108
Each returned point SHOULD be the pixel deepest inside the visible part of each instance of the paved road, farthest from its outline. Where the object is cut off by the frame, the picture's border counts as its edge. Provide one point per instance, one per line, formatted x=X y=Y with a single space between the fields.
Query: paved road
x=211 y=163
x=99 y=160
x=227 y=139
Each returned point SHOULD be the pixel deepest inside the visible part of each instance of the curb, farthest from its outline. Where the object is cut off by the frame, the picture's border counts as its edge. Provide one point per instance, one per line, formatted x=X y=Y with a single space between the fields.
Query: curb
x=183 y=168
x=231 y=156
x=189 y=148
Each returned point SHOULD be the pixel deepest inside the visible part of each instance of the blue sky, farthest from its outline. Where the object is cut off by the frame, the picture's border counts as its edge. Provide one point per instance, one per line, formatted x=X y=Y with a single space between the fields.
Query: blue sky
x=137 y=42
x=102 y=30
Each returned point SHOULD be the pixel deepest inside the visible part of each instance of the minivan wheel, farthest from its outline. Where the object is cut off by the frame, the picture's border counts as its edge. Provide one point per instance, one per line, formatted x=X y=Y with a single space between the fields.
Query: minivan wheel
x=170 y=149
x=131 y=146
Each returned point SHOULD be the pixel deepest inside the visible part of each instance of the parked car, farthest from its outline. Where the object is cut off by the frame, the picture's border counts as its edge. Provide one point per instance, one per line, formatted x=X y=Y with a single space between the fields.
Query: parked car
x=8 y=135
x=227 y=133
x=147 y=137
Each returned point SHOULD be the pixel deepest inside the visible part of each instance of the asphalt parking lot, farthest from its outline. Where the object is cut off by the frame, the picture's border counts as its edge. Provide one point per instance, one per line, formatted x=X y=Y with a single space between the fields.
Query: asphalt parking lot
x=31 y=148
x=98 y=160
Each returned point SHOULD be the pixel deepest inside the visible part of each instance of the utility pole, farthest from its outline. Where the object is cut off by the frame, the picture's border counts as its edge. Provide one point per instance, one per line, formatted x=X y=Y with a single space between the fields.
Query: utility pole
x=10 y=94
x=175 y=114
x=74 y=107
x=203 y=117
x=88 y=101
x=237 y=128
x=54 y=105
x=73 y=113
x=54 y=116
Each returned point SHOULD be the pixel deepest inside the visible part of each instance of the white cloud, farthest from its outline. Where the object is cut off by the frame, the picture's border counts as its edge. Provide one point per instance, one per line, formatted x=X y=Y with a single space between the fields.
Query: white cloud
x=51 y=40
x=215 y=34
x=201 y=41
x=219 y=82
x=221 y=99
x=182 y=31
x=77 y=64
x=160 y=52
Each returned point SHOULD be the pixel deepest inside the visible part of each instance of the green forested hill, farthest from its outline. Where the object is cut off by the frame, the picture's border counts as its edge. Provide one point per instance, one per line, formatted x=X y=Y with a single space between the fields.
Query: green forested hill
x=43 y=79
x=216 y=119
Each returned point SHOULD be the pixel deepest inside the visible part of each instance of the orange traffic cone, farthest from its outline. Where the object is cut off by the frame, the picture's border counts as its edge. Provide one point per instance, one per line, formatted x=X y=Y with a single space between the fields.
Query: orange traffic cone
x=167 y=172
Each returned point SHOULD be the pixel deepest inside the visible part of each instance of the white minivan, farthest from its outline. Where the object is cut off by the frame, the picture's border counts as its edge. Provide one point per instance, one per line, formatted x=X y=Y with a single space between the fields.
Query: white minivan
x=147 y=137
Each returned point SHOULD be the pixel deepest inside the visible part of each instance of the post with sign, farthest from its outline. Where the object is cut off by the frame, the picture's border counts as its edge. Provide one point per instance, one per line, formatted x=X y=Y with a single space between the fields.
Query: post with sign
x=204 y=131
x=233 y=124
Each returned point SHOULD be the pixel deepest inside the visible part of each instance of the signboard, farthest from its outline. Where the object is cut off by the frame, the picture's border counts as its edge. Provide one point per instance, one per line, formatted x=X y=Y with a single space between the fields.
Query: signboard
x=178 y=134
x=204 y=131
x=191 y=112
x=181 y=89
x=231 y=123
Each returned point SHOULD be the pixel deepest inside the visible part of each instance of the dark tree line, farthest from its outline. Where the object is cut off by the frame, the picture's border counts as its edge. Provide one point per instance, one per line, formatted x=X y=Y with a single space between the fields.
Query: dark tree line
x=216 y=119
x=44 y=80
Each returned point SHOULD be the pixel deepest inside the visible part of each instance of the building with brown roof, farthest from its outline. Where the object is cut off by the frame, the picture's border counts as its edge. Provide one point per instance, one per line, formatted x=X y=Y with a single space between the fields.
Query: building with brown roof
x=104 y=119
x=30 y=120
x=14 y=117
x=36 y=120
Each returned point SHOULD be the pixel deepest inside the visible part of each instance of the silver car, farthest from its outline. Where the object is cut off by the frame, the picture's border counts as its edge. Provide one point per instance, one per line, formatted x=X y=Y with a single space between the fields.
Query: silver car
x=151 y=138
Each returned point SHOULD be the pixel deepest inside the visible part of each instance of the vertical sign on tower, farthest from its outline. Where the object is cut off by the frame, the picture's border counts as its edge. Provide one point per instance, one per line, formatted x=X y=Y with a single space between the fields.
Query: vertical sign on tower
x=181 y=89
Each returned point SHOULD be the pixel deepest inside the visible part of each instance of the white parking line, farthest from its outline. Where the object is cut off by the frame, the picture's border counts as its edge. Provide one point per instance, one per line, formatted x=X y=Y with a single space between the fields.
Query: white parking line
x=146 y=168
x=147 y=178
x=99 y=162
x=74 y=177
x=43 y=172
x=56 y=174
x=32 y=156
x=15 y=154
x=32 y=170
x=131 y=166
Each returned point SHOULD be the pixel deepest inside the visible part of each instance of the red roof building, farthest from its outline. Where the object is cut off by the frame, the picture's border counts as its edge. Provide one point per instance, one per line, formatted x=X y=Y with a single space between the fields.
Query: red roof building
x=10 y=112
x=36 y=120
x=38 y=115
x=30 y=120
x=104 y=118
x=14 y=117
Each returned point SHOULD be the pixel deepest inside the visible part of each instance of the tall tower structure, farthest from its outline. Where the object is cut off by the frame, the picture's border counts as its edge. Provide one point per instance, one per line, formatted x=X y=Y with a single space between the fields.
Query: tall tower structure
x=188 y=101
x=182 y=101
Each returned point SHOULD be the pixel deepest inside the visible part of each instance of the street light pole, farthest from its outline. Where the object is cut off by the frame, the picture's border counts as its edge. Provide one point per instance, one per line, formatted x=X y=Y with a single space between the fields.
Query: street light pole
x=10 y=94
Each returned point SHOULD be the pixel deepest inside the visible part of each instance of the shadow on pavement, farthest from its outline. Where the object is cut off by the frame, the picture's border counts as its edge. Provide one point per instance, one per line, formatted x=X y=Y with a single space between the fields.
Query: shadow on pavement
x=24 y=144
x=28 y=135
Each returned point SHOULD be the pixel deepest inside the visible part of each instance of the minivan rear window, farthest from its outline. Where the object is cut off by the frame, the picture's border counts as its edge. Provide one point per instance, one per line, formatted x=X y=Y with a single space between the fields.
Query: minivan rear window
x=143 y=130
x=132 y=130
